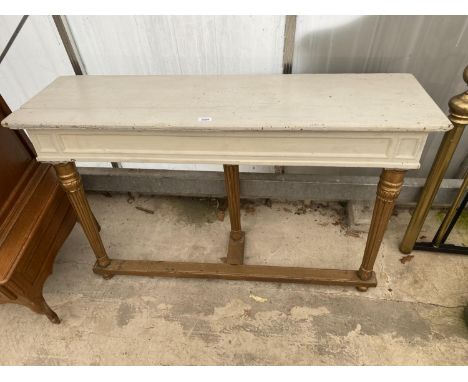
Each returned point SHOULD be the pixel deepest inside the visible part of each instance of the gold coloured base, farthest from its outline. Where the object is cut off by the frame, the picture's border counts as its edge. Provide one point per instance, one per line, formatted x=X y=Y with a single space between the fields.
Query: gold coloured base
x=388 y=189
x=235 y=272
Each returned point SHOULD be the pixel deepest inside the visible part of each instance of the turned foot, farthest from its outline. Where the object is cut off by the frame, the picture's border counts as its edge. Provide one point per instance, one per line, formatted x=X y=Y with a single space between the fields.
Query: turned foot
x=362 y=288
x=107 y=276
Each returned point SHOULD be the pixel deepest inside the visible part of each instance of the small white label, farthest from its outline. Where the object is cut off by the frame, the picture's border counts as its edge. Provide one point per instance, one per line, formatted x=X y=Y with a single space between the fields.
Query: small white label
x=205 y=119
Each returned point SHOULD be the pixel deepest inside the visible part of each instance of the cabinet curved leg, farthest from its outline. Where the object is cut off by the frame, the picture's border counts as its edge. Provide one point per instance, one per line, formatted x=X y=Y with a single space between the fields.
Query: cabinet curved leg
x=40 y=306
x=50 y=314
x=388 y=190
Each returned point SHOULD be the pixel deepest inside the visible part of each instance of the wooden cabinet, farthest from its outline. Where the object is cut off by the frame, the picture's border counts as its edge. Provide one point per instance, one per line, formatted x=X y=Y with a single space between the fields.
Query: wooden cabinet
x=35 y=220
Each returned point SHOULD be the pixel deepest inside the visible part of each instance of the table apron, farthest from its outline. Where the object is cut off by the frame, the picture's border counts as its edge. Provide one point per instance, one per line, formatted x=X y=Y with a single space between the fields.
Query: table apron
x=400 y=150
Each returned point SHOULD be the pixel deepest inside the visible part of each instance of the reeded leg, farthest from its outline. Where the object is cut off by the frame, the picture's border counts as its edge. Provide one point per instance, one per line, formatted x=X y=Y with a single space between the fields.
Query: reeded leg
x=71 y=182
x=235 y=255
x=97 y=223
x=387 y=192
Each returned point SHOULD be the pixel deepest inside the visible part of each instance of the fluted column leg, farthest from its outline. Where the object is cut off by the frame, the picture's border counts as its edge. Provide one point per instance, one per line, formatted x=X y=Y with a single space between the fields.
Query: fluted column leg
x=235 y=253
x=388 y=190
x=71 y=183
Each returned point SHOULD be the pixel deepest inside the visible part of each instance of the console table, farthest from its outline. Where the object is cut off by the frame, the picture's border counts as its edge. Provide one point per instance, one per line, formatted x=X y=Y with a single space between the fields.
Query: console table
x=350 y=120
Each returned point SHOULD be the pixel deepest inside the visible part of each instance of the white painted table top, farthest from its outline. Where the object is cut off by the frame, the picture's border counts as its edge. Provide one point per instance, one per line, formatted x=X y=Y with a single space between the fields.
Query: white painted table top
x=302 y=102
x=354 y=120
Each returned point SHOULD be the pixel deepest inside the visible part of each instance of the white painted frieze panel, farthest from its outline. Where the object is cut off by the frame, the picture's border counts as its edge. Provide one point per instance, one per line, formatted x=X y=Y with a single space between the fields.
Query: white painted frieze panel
x=357 y=149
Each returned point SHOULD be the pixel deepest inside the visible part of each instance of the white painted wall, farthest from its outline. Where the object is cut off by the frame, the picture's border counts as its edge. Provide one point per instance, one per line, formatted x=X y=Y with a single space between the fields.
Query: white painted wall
x=179 y=44
x=36 y=58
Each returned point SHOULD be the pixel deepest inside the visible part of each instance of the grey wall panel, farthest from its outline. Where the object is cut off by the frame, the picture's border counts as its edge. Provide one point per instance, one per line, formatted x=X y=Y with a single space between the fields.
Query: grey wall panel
x=7 y=26
x=35 y=59
x=180 y=44
x=433 y=48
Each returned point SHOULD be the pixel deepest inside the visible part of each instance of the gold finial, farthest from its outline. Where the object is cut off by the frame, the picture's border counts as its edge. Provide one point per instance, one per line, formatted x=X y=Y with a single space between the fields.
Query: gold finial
x=458 y=105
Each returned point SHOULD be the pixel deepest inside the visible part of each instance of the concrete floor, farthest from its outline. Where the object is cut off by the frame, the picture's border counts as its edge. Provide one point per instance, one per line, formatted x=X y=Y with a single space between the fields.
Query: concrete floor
x=414 y=316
